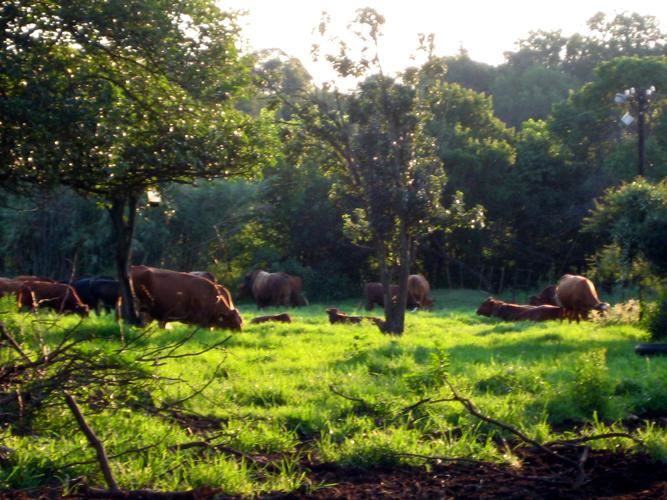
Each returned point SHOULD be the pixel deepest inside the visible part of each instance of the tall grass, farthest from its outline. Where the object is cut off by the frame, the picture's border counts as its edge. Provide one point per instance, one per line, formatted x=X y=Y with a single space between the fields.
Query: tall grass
x=345 y=394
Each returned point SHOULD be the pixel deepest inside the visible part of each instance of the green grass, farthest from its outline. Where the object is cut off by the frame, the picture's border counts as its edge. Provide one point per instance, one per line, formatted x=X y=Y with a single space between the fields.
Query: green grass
x=339 y=393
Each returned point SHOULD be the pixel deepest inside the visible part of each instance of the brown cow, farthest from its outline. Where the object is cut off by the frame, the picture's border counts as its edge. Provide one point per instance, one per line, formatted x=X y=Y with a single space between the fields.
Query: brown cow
x=268 y=289
x=167 y=295
x=577 y=296
x=25 y=277
x=57 y=296
x=419 y=292
x=338 y=316
x=544 y=312
x=545 y=297
x=297 y=298
x=518 y=312
x=280 y=318
x=9 y=286
x=374 y=294
x=204 y=274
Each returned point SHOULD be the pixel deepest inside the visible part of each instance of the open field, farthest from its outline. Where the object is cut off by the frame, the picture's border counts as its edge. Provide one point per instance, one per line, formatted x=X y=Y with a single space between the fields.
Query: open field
x=253 y=414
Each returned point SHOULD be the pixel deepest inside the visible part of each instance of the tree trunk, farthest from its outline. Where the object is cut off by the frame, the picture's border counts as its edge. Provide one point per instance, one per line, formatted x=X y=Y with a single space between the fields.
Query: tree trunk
x=394 y=312
x=123 y=212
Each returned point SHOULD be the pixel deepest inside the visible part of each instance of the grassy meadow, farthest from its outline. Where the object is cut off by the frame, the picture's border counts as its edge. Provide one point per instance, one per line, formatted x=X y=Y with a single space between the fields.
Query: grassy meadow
x=279 y=395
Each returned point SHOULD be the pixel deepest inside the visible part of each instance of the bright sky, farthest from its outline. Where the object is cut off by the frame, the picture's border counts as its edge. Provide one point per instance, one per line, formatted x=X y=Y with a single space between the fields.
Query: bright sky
x=485 y=28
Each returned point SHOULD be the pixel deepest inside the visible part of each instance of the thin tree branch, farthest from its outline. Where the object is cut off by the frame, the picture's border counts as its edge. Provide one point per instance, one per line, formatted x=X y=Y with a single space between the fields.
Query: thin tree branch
x=94 y=442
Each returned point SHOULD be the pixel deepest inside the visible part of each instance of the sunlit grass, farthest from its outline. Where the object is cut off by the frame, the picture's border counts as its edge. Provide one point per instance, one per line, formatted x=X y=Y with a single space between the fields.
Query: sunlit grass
x=343 y=393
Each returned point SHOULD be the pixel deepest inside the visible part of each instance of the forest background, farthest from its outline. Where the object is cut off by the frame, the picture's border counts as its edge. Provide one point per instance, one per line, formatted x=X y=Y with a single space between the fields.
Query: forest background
x=541 y=176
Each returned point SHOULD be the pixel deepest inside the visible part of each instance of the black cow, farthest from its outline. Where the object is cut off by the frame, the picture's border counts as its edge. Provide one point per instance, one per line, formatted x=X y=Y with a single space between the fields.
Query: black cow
x=94 y=291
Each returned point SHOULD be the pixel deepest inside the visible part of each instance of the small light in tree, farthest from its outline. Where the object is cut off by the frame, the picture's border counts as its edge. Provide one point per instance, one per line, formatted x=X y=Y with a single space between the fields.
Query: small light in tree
x=154 y=197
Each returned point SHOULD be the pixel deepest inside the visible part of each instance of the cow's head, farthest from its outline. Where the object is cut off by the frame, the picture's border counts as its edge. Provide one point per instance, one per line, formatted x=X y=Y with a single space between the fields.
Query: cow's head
x=82 y=309
x=230 y=320
x=487 y=307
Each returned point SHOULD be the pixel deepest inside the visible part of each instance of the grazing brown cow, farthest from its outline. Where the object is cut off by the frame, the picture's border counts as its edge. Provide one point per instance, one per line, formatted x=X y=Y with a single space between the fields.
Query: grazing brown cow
x=57 y=296
x=338 y=316
x=9 y=286
x=297 y=298
x=545 y=297
x=31 y=277
x=577 y=296
x=204 y=274
x=419 y=292
x=167 y=295
x=280 y=318
x=268 y=289
x=374 y=294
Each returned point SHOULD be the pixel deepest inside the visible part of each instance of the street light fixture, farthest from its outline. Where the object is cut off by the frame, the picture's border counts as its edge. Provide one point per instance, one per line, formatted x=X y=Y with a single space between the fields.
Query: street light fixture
x=640 y=98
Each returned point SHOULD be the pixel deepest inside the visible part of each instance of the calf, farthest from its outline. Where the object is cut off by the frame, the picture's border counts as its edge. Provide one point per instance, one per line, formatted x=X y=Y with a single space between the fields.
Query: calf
x=280 y=318
x=338 y=316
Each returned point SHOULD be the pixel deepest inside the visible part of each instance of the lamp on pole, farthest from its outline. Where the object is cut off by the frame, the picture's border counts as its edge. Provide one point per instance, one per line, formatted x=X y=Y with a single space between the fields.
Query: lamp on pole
x=638 y=98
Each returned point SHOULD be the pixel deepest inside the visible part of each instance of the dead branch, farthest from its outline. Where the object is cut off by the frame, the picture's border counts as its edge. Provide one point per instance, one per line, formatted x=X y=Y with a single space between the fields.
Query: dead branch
x=586 y=439
x=472 y=409
x=94 y=441
x=4 y=333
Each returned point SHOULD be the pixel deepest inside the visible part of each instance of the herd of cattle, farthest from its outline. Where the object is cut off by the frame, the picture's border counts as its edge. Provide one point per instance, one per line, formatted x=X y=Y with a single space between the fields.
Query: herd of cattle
x=197 y=298
x=573 y=298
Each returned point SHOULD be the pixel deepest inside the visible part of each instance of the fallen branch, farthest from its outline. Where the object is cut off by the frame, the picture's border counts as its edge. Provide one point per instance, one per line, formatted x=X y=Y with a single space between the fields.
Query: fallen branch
x=94 y=442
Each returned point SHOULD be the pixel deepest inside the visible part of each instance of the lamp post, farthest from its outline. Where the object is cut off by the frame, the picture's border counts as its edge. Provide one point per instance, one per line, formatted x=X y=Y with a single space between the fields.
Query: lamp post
x=640 y=98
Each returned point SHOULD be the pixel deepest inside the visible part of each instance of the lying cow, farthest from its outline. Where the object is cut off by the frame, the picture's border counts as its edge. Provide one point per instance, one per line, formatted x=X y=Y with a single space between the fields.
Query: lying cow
x=57 y=296
x=544 y=312
x=577 y=296
x=167 y=295
x=280 y=318
x=338 y=316
x=517 y=312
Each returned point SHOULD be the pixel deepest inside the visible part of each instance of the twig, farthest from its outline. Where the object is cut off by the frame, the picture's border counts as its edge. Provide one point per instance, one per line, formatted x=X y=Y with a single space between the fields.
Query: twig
x=13 y=343
x=94 y=442
x=472 y=409
x=586 y=439
x=349 y=398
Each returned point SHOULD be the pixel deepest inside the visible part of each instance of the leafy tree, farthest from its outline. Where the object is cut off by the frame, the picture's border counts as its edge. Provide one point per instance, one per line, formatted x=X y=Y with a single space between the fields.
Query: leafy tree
x=477 y=151
x=588 y=123
x=390 y=177
x=468 y=73
x=529 y=92
x=545 y=201
x=55 y=233
x=634 y=217
x=111 y=98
